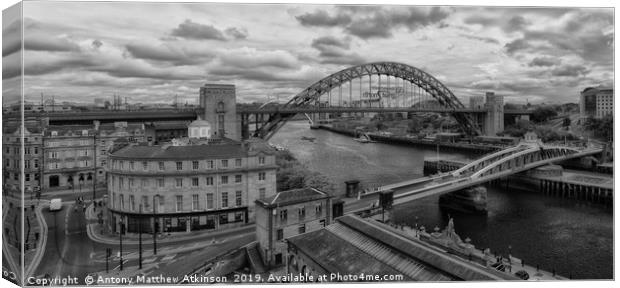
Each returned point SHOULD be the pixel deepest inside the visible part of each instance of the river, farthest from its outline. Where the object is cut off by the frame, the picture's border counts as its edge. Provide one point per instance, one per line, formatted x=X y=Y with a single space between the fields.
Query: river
x=574 y=239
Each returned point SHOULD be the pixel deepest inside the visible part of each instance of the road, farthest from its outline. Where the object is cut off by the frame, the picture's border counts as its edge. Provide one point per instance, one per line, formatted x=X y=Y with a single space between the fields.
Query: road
x=69 y=252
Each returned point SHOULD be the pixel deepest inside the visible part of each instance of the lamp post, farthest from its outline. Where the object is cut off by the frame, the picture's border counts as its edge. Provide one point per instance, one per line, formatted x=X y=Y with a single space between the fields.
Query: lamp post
x=120 y=235
x=140 y=238
x=155 y=225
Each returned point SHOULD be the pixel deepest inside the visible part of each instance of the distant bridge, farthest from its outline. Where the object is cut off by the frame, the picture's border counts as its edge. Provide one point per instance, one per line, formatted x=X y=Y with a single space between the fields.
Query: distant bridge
x=522 y=157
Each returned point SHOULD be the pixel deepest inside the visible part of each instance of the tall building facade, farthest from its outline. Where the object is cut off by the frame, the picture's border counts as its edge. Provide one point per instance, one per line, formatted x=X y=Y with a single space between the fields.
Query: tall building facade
x=196 y=183
x=220 y=109
x=15 y=155
x=596 y=102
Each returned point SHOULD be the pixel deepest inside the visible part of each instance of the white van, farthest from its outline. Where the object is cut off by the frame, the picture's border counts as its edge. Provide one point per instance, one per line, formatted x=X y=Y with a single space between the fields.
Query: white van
x=55 y=204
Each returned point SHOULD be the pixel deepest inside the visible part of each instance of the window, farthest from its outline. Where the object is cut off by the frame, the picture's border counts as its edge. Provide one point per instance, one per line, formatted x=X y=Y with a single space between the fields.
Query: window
x=132 y=203
x=54 y=155
x=283 y=215
x=238 y=162
x=322 y=222
x=195 y=182
x=210 y=164
x=160 y=182
x=280 y=233
x=224 y=199
x=122 y=164
x=130 y=182
x=238 y=216
x=238 y=178
x=36 y=150
x=122 y=199
x=179 y=182
x=36 y=163
x=238 y=198
x=179 y=165
x=27 y=151
x=179 y=203
x=261 y=193
x=145 y=201
x=27 y=177
x=302 y=213
x=261 y=176
x=302 y=228
x=261 y=160
x=121 y=182
x=161 y=165
x=145 y=165
x=224 y=218
x=209 y=181
x=318 y=209
x=195 y=165
x=209 y=201
x=131 y=166
x=145 y=183
x=224 y=180
x=224 y=163
x=195 y=203
x=26 y=164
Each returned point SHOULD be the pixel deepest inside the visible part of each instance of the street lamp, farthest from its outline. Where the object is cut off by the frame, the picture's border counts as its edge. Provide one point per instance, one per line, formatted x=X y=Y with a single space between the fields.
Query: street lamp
x=155 y=225
x=120 y=235
x=140 y=238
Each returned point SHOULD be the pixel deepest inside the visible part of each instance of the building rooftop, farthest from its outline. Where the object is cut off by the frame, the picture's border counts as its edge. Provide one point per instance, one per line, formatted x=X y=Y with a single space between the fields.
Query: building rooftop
x=353 y=245
x=293 y=196
x=187 y=152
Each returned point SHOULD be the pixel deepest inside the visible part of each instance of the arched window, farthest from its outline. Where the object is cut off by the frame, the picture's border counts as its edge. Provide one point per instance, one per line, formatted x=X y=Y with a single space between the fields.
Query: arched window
x=220 y=106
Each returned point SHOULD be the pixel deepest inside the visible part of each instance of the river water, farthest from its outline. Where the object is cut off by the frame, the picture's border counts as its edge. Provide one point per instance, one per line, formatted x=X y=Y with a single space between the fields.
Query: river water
x=574 y=239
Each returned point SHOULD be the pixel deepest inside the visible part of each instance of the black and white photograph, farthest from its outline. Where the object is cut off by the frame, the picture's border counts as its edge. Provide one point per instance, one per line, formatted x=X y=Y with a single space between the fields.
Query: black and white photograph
x=168 y=143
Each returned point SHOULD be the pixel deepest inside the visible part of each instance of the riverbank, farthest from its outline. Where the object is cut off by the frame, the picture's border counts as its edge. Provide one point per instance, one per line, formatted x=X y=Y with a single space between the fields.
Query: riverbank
x=408 y=141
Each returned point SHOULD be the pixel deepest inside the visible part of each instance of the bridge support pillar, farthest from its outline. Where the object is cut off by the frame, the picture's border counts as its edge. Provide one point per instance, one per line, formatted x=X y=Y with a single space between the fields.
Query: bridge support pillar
x=494 y=120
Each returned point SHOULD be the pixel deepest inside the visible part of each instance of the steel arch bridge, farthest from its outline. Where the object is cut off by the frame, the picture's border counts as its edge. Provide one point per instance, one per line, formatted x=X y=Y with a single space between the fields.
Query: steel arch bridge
x=413 y=75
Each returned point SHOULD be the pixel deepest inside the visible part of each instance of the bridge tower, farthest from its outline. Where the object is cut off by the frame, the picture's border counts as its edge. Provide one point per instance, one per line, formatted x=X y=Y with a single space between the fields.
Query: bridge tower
x=494 y=120
x=219 y=104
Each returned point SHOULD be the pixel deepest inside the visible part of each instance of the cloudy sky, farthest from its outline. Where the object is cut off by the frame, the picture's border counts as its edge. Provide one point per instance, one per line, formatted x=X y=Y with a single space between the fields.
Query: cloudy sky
x=150 y=52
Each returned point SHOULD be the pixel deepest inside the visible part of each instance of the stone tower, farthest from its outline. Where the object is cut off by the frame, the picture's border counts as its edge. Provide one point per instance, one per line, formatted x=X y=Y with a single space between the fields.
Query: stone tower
x=494 y=122
x=220 y=109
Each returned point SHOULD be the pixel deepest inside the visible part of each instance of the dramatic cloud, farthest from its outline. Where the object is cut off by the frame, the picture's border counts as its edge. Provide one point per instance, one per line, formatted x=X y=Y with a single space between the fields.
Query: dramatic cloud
x=168 y=53
x=237 y=33
x=192 y=30
x=77 y=51
x=374 y=22
x=544 y=62
x=322 y=18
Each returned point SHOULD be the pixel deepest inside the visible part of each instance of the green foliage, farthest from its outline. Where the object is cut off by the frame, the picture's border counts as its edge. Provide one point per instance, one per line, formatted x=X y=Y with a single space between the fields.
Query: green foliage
x=291 y=174
x=543 y=113
x=601 y=128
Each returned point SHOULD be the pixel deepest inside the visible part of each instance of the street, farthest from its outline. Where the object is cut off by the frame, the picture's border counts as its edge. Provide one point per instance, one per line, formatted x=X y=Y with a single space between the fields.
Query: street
x=69 y=252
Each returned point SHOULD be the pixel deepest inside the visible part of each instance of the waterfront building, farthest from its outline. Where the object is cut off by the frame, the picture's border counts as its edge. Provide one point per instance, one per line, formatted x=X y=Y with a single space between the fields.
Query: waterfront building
x=14 y=155
x=596 y=102
x=356 y=246
x=194 y=183
x=286 y=214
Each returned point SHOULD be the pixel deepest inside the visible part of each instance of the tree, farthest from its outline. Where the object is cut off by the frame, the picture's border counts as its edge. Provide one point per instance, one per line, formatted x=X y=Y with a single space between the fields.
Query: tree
x=543 y=113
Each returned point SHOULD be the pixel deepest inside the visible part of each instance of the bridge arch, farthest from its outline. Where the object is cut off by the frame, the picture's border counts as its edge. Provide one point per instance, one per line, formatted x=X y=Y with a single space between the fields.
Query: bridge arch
x=425 y=81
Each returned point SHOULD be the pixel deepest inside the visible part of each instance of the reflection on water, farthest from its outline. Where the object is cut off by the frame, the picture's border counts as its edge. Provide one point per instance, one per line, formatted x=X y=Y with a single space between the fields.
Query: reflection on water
x=573 y=238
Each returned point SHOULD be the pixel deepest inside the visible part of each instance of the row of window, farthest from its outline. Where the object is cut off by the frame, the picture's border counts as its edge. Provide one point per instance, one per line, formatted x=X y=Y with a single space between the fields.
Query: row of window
x=76 y=153
x=300 y=230
x=27 y=176
x=179 y=182
x=68 y=164
x=28 y=164
x=301 y=213
x=27 y=150
x=195 y=165
x=160 y=201
x=81 y=142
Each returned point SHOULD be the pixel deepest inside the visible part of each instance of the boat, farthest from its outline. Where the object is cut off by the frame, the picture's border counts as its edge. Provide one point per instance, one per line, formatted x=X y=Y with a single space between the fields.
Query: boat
x=364 y=139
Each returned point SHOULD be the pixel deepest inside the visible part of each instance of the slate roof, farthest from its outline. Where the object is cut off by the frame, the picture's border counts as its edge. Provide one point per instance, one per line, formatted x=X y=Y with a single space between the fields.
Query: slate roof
x=379 y=246
x=189 y=152
x=288 y=197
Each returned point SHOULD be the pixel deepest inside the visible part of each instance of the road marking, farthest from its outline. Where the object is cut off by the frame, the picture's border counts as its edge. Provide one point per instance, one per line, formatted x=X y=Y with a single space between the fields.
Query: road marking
x=119 y=266
x=168 y=257
x=149 y=260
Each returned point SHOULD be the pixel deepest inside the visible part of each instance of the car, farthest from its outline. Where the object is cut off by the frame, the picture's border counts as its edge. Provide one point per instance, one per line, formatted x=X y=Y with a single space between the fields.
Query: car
x=55 y=204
